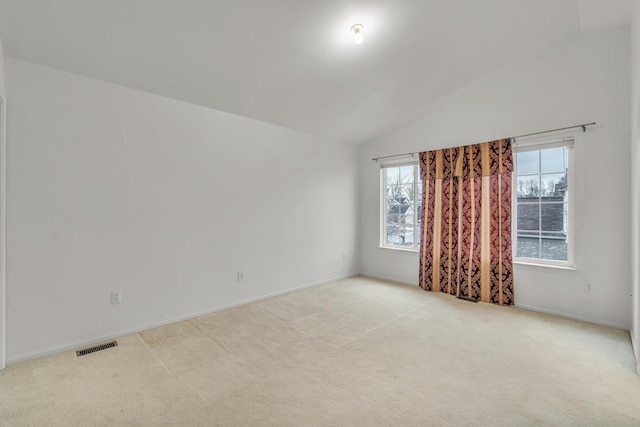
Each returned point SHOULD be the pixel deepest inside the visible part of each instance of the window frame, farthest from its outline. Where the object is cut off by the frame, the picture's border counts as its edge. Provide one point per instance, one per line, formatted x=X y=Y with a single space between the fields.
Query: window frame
x=411 y=161
x=568 y=141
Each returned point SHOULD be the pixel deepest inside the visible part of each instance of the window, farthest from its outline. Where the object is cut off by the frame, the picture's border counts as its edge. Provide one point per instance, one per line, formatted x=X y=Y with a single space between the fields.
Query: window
x=543 y=203
x=401 y=205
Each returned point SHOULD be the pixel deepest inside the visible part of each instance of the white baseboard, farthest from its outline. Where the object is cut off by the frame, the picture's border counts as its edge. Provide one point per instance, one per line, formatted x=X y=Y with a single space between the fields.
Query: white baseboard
x=572 y=316
x=530 y=308
x=388 y=279
x=122 y=333
x=636 y=350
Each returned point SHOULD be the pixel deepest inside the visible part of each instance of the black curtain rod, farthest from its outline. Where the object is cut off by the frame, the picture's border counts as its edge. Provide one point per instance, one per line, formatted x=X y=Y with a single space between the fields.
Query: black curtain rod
x=583 y=126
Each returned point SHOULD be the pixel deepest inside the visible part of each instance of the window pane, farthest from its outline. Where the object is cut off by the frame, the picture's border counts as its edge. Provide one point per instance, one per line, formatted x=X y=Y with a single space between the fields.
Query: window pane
x=393 y=237
x=393 y=175
x=407 y=194
x=394 y=195
x=554 y=185
x=393 y=213
x=553 y=160
x=406 y=174
x=528 y=247
x=407 y=234
x=405 y=210
x=400 y=235
x=553 y=216
x=528 y=186
x=528 y=162
x=554 y=247
x=528 y=218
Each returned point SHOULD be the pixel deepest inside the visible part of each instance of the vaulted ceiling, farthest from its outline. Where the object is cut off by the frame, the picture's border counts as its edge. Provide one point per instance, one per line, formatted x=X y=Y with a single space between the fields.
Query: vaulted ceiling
x=293 y=62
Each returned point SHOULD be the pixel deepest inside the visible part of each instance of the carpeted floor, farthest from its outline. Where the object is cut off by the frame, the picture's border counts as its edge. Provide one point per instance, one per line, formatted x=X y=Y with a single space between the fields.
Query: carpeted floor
x=358 y=352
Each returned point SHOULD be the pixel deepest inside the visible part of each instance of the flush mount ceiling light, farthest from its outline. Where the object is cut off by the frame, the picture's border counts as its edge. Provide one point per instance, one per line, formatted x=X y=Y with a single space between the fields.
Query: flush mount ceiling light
x=356 y=31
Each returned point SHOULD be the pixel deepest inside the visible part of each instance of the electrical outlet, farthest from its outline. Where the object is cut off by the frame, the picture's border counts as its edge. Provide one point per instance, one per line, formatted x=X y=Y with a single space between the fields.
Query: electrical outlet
x=116 y=297
x=344 y=257
x=588 y=286
x=240 y=276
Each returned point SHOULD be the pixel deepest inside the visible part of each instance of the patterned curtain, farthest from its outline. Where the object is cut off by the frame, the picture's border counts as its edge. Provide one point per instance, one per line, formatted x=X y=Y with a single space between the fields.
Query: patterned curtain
x=465 y=247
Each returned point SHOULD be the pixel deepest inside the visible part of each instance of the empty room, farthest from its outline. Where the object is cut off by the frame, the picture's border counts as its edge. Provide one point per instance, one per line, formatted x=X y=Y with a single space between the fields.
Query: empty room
x=314 y=213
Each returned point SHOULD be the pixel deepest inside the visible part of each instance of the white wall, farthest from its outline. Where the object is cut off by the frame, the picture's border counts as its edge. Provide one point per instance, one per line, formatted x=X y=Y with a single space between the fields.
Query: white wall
x=1 y=69
x=584 y=80
x=2 y=178
x=115 y=189
x=635 y=176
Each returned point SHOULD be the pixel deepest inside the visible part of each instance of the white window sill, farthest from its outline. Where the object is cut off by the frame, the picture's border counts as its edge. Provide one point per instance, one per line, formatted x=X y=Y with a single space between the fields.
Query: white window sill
x=400 y=249
x=535 y=266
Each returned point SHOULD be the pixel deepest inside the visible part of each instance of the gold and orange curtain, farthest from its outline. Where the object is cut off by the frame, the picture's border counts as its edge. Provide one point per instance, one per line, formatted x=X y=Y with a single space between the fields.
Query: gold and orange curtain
x=465 y=246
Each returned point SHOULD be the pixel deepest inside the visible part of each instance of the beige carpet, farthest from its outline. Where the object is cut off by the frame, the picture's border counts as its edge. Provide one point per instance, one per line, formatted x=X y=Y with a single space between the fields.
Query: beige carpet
x=357 y=352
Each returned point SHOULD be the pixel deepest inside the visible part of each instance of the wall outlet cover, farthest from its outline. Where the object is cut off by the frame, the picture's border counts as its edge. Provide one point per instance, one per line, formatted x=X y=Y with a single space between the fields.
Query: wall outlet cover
x=116 y=297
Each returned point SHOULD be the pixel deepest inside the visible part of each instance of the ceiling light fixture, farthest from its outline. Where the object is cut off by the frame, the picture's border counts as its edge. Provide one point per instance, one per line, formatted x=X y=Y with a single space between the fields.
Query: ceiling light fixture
x=356 y=30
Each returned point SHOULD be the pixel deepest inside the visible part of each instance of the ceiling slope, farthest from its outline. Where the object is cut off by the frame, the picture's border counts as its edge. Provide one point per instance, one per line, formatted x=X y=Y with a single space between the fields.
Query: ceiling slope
x=288 y=62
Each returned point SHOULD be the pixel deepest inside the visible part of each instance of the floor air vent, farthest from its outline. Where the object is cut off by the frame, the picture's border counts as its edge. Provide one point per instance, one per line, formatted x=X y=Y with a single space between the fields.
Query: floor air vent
x=96 y=348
